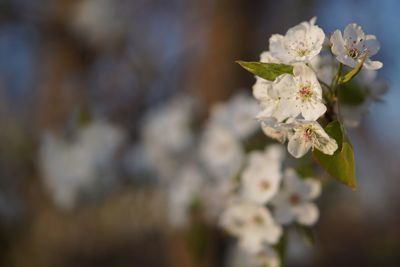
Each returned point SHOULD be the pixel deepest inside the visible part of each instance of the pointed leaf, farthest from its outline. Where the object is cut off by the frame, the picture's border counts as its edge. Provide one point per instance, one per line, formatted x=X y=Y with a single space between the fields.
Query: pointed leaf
x=268 y=71
x=341 y=164
x=281 y=248
x=307 y=234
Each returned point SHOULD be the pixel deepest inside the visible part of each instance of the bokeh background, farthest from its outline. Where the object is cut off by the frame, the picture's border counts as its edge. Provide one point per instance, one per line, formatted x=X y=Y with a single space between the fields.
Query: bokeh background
x=64 y=63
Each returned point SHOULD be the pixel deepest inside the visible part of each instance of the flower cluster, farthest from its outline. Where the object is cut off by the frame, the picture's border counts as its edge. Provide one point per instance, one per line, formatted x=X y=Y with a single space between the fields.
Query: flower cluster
x=71 y=168
x=227 y=173
x=264 y=186
x=195 y=167
x=304 y=91
x=294 y=102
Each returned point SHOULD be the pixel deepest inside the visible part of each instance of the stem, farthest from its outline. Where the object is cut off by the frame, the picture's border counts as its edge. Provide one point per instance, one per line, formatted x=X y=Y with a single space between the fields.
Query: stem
x=328 y=94
x=325 y=84
x=336 y=78
x=335 y=90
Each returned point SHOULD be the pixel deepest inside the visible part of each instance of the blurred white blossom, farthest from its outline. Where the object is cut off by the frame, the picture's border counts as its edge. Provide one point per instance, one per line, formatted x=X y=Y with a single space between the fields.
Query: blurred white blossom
x=166 y=135
x=371 y=88
x=262 y=176
x=99 y=21
x=293 y=202
x=252 y=224
x=221 y=152
x=183 y=191
x=237 y=115
x=69 y=167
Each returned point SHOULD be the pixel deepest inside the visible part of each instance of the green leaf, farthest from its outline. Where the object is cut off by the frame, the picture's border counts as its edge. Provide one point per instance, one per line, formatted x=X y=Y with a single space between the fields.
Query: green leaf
x=305 y=170
x=351 y=94
x=307 y=234
x=351 y=74
x=268 y=71
x=281 y=248
x=341 y=164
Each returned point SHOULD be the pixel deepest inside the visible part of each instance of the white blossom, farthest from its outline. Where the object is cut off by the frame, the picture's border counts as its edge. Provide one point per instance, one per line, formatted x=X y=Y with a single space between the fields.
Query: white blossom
x=252 y=224
x=371 y=88
x=70 y=167
x=293 y=202
x=237 y=115
x=262 y=175
x=351 y=48
x=300 y=43
x=297 y=94
x=183 y=191
x=309 y=135
x=221 y=152
x=166 y=135
x=95 y=21
x=323 y=65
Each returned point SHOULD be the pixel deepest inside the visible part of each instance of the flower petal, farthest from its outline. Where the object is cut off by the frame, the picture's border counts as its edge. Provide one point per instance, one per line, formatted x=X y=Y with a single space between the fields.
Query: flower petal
x=283 y=214
x=273 y=233
x=372 y=45
x=313 y=188
x=277 y=48
x=353 y=32
x=311 y=111
x=266 y=57
x=251 y=244
x=373 y=65
x=298 y=145
x=260 y=89
x=348 y=61
x=337 y=43
x=307 y=213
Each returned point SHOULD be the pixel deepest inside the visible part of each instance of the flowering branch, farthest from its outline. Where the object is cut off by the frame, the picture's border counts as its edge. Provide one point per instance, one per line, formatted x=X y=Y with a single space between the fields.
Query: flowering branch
x=293 y=91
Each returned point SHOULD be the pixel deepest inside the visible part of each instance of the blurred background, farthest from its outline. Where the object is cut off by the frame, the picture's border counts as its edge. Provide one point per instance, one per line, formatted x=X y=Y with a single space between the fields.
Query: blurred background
x=85 y=85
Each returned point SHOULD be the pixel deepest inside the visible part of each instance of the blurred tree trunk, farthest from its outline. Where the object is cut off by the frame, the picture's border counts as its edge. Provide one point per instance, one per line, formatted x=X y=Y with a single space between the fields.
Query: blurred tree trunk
x=215 y=74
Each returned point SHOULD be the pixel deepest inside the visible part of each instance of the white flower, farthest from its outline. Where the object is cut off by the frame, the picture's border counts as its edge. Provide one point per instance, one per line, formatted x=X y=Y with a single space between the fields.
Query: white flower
x=182 y=193
x=252 y=224
x=95 y=21
x=351 y=48
x=72 y=167
x=293 y=202
x=237 y=115
x=221 y=152
x=302 y=135
x=309 y=134
x=300 y=44
x=166 y=136
x=297 y=94
x=167 y=128
x=323 y=65
x=262 y=175
x=352 y=115
x=371 y=88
